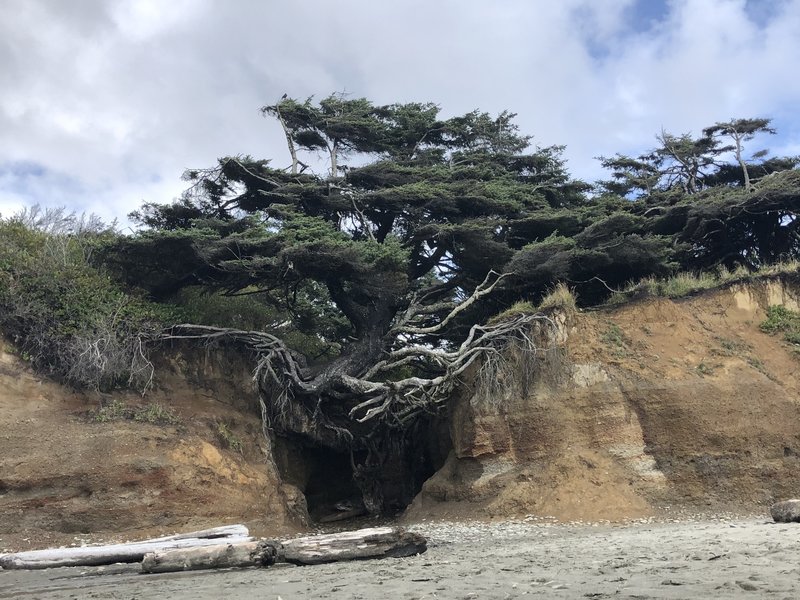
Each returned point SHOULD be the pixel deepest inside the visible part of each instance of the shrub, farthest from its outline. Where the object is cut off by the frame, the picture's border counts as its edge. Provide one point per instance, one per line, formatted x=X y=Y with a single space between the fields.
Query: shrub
x=229 y=439
x=67 y=316
x=116 y=410
x=782 y=320
x=153 y=413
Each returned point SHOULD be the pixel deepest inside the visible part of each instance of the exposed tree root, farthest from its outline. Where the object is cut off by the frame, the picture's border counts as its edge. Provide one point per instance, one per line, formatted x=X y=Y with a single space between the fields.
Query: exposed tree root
x=367 y=406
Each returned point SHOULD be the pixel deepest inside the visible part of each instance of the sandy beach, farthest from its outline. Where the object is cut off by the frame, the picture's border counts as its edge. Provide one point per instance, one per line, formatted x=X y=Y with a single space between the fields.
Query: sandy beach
x=726 y=558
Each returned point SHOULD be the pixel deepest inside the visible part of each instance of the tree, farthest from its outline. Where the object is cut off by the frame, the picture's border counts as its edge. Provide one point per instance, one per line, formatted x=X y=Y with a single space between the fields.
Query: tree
x=387 y=266
x=403 y=246
x=685 y=161
x=740 y=131
x=635 y=177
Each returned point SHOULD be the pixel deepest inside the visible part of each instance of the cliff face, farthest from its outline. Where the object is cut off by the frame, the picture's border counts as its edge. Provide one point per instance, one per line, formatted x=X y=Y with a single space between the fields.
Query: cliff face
x=681 y=404
x=62 y=474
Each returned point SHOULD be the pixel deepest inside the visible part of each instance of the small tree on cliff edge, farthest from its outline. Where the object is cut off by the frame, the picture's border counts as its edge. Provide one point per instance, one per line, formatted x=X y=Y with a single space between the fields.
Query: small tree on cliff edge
x=382 y=256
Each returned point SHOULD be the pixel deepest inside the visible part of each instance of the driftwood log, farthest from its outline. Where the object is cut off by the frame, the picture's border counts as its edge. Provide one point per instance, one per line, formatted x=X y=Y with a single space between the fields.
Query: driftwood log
x=121 y=553
x=221 y=556
x=226 y=547
x=376 y=542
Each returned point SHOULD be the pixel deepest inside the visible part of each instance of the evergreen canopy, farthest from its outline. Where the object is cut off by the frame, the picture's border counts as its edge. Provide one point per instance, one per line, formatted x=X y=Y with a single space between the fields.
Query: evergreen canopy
x=424 y=226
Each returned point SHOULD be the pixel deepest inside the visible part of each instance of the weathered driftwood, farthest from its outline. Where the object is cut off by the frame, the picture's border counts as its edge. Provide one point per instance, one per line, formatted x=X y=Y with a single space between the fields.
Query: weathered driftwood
x=376 y=542
x=220 y=556
x=115 y=553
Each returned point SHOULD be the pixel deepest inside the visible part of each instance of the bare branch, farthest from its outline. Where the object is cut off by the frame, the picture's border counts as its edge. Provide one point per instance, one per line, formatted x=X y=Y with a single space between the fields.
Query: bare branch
x=482 y=290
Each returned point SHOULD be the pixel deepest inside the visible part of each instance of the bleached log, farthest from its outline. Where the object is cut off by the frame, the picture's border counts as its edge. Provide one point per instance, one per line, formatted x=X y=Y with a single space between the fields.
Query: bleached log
x=225 y=531
x=375 y=542
x=221 y=556
x=116 y=553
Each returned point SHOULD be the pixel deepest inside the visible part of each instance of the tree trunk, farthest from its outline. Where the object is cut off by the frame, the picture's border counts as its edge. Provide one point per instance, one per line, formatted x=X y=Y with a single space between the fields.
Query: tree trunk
x=376 y=542
x=120 y=553
x=334 y=159
x=221 y=556
x=289 y=140
x=741 y=162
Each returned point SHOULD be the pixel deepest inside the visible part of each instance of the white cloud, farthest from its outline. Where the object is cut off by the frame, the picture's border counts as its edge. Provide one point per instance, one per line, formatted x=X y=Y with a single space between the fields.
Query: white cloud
x=118 y=97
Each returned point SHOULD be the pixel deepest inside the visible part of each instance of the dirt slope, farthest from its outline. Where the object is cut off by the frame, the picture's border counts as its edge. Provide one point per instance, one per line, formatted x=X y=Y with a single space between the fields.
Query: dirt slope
x=681 y=405
x=664 y=405
x=63 y=475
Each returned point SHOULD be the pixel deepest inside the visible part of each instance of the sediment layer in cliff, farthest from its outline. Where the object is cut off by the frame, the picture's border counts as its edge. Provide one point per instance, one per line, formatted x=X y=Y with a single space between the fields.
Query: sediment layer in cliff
x=681 y=405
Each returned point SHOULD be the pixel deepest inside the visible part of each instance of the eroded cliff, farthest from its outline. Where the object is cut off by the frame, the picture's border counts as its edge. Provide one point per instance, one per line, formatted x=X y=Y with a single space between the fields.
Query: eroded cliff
x=667 y=404
x=64 y=475
x=680 y=405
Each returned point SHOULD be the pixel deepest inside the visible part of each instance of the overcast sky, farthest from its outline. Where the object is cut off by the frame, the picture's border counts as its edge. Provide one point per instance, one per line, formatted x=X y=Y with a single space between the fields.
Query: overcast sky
x=104 y=103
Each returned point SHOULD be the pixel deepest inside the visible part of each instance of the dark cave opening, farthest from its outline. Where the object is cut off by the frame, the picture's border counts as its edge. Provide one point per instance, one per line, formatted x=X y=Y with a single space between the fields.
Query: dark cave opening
x=326 y=477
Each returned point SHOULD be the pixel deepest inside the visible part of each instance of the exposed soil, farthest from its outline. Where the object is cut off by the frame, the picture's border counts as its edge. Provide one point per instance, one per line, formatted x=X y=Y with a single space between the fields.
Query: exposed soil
x=669 y=406
x=65 y=478
x=665 y=407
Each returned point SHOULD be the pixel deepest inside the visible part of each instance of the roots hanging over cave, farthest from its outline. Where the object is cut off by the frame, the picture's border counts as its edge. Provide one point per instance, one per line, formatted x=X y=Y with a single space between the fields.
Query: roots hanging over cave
x=345 y=404
x=367 y=401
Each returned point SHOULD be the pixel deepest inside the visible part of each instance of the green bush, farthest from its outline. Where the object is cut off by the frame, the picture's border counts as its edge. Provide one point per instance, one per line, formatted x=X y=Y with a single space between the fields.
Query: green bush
x=63 y=313
x=782 y=320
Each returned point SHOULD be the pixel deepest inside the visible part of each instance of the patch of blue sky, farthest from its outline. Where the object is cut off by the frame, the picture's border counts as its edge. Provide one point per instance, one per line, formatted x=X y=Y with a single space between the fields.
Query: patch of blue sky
x=639 y=17
x=761 y=12
x=643 y=15
x=787 y=140
x=36 y=182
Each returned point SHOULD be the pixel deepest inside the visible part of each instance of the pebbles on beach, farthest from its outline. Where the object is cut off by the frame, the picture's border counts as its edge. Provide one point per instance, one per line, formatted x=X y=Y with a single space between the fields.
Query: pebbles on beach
x=693 y=556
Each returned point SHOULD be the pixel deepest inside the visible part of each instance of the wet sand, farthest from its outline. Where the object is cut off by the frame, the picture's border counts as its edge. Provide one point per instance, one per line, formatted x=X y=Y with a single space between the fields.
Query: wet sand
x=738 y=558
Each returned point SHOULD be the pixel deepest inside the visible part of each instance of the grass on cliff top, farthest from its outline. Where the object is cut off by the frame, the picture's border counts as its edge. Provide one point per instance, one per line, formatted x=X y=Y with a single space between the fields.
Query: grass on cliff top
x=559 y=297
x=684 y=284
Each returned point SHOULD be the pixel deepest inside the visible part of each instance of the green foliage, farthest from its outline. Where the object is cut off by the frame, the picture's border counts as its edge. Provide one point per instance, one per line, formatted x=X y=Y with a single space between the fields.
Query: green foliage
x=116 y=410
x=683 y=284
x=153 y=413
x=705 y=370
x=156 y=414
x=255 y=312
x=523 y=307
x=455 y=198
x=613 y=336
x=783 y=320
x=67 y=316
x=423 y=196
x=616 y=340
x=229 y=439
x=247 y=312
